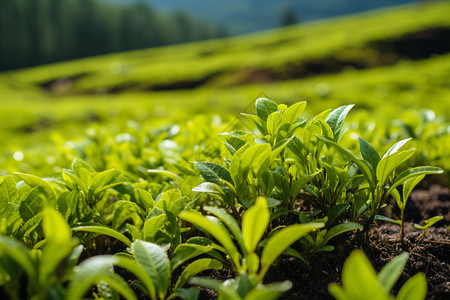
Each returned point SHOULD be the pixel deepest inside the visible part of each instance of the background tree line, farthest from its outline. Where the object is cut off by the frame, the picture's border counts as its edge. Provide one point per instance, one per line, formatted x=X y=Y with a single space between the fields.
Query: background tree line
x=34 y=32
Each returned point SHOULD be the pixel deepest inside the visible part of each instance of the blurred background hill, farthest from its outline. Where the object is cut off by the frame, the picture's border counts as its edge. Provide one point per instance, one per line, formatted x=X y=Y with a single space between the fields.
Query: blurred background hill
x=242 y=16
x=38 y=32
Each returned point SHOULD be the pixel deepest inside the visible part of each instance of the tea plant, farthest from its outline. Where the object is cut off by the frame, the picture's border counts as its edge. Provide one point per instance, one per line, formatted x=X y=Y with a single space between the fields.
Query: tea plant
x=401 y=203
x=255 y=221
x=149 y=263
x=47 y=267
x=427 y=224
x=359 y=280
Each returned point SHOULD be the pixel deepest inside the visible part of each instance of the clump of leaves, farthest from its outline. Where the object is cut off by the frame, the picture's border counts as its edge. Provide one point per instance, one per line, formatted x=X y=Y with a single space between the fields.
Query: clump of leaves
x=360 y=281
x=151 y=266
x=47 y=267
x=246 y=261
x=428 y=223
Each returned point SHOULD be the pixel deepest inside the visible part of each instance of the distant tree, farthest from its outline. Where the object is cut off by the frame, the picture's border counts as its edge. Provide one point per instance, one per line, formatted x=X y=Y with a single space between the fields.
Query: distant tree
x=34 y=32
x=289 y=16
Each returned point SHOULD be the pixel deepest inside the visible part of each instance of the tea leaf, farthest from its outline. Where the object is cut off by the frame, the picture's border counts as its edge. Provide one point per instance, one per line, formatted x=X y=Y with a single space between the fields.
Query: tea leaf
x=264 y=107
x=42 y=186
x=396 y=147
x=219 y=233
x=93 y=270
x=104 y=230
x=8 y=190
x=359 y=278
x=389 y=274
x=269 y=291
x=212 y=172
x=279 y=242
x=336 y=119
x=388 y=164
x=369 y=153
x=254 y=223
x=230 y=222
x=195 y=268
x=414 y=289
x=154 y=260
x=409 y=186
x=413 y=172
x=19 y=253
x=293 y=112
x=341 y=228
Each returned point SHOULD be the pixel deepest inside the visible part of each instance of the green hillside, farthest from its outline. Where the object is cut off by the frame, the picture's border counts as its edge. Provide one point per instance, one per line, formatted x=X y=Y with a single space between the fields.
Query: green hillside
x=386 y=62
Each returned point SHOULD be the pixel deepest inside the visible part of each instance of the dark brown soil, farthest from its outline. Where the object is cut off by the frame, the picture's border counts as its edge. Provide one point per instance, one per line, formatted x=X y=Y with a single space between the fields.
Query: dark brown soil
x=428 y=254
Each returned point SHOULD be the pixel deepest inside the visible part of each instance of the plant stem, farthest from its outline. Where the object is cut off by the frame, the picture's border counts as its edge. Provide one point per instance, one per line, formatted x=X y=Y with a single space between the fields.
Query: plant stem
x=402 y=218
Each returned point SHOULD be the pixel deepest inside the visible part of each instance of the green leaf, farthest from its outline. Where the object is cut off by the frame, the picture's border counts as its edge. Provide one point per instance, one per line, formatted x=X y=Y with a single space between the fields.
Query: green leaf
x=141 y=273
x=154 y=260
x=254 y=223
x=280 y=241
x=186 y=294
x=369 y=153
x=359 y=278
x=20 y=254
x=300 y=183
x=337 y=291
x=230 y=222
x=413 y=172
x=274 y=123
x=389 y=274
x=428 y=223
x=169 y=174
x=79 y=164
x=31 y=204
x=212 y=284
x=335 y=212
x=196 y=267
x=105 y=179
x=146 y=199
x=210 y=189
x=276 y=150
x=152 y=226
x=388 y=164
x=29 y=226
x=269 y=291
x=93 y=270
x=396 y=147
x=348 y=155
x=55 y=227
x=104 y=230
x=257 y=158
x=8 y=190
x=341 y=228
x=264 y=107
x=297 y=146
x=194 y=247
x=237 y=166
x=260 y=124
x=212 y=172
x=293 y=112
x=409 y=186
x=414 y=289
x=42 y=186
x=387 y=219
x=336 y=119
x=218 y=232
